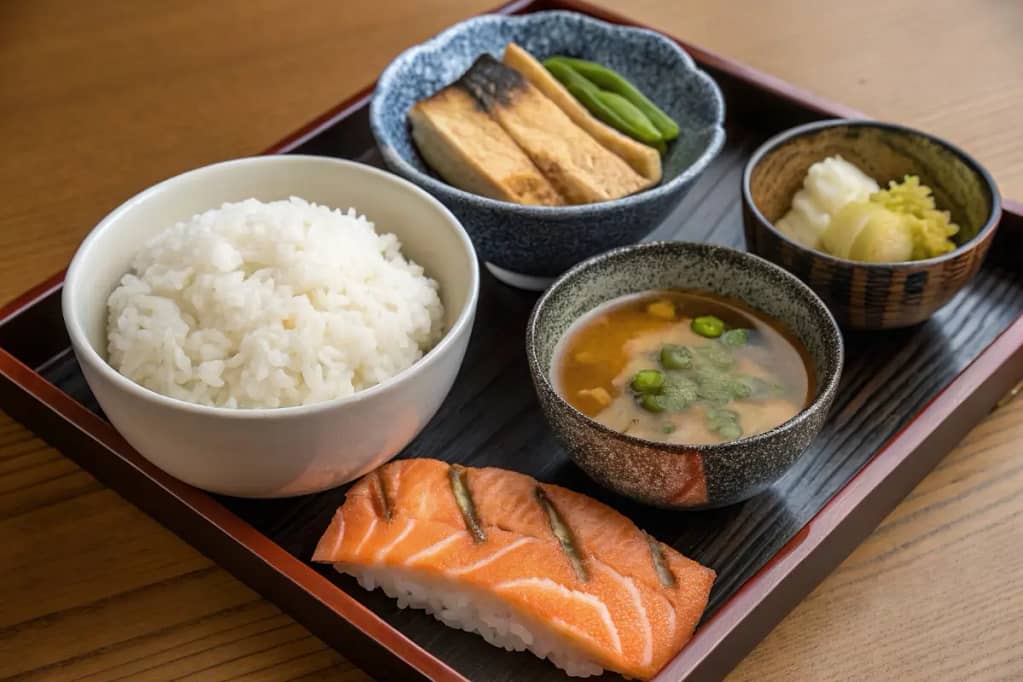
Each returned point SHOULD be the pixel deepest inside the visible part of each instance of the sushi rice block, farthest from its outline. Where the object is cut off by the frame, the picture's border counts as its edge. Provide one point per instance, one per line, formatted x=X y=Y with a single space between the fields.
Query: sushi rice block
x=526 y=565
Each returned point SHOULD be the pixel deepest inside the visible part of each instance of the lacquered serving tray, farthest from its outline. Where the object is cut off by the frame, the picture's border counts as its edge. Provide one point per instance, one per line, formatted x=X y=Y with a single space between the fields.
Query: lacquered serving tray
x=906 y=399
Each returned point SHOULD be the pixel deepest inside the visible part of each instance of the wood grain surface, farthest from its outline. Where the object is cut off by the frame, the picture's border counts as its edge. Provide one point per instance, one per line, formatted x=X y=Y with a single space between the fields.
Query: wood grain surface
x=101 y=99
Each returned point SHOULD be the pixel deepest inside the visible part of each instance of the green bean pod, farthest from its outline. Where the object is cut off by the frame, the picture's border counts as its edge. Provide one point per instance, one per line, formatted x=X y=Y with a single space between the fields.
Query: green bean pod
x=568 y=76
x=585 y=92
x=639 y=125
x=609 y=80
x=591 y=97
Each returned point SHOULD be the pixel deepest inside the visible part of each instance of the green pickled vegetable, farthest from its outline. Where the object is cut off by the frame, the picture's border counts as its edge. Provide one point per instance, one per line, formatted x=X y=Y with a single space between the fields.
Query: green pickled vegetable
x=647 y=381
x=896 y=224
x=708 y=326
x=932 y=230
x=735 y=337
x=676 y=357
x=611 y=81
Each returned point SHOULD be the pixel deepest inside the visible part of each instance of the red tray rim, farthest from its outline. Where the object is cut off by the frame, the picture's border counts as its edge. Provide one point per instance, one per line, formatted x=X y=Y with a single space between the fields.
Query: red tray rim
x=751 y=595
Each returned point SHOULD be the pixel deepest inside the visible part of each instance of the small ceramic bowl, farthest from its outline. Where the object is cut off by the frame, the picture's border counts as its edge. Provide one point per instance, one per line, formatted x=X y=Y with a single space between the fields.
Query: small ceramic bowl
x=290 y=450
x=872 y=295
x=528 y=245
x=684 y=476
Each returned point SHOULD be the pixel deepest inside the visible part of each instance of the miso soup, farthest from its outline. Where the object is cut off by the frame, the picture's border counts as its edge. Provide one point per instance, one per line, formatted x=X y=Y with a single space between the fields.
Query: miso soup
x=678 y=367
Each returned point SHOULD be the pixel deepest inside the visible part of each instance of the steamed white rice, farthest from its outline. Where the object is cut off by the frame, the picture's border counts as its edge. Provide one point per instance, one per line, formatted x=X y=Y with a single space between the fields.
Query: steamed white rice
x=257 y=305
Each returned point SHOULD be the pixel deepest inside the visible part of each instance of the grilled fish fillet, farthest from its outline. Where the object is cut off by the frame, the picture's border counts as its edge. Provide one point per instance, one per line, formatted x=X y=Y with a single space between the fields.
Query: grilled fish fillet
x=526 y=564
x=472 y=152
x=578 y=166
x=643 y=159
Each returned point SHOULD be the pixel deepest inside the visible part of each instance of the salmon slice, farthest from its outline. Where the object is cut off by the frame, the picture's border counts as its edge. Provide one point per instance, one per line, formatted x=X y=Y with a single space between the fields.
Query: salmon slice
x=528 y=565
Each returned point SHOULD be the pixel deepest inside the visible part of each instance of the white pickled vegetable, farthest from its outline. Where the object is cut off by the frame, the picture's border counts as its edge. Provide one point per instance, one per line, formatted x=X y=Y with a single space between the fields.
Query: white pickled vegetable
x=864 y=231
x=829 y=185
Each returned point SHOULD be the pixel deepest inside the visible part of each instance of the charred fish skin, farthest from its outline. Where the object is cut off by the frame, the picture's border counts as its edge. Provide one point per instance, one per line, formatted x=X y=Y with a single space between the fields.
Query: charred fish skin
x=491 y=83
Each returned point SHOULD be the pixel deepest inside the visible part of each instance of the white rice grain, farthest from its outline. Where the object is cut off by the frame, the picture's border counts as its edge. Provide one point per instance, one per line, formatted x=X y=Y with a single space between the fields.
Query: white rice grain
x=257 y=305
x=463 y=607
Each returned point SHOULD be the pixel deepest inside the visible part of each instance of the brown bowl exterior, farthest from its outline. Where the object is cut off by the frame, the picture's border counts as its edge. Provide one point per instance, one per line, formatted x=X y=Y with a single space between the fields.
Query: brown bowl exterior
x=870 y=296
x=683 y=476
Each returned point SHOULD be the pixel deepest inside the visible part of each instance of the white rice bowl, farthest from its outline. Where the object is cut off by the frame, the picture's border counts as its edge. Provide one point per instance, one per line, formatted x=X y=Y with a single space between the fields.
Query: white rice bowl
x=265 y=305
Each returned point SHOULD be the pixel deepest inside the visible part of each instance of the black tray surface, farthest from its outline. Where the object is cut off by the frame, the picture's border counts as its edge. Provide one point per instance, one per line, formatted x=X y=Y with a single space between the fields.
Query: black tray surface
x=491 y=417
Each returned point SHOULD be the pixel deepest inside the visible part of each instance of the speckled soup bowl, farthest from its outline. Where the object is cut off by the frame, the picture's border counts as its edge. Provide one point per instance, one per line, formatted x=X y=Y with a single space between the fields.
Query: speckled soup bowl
x=532 y=244
x=684 y=476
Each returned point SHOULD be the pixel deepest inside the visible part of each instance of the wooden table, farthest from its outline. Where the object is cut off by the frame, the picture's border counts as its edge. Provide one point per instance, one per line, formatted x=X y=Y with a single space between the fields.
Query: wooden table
x=100 y=100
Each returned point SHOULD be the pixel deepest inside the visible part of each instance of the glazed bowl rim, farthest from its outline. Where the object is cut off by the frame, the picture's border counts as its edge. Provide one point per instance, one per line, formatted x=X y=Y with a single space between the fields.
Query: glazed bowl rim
x=825 y=393
x=90 y=356
x=786 y=136
x=398 y=162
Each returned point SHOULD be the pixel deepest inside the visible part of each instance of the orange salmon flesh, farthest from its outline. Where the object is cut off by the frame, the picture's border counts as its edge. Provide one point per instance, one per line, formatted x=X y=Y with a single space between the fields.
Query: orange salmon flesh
x=601 y=595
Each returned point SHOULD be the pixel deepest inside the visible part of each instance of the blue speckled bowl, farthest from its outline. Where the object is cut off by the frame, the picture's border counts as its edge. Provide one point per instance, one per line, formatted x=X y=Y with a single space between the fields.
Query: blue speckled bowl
x=544 y=241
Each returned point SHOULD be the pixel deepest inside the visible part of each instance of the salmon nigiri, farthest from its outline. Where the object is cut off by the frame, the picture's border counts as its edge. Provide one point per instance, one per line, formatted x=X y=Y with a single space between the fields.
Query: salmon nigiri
x=525 y=564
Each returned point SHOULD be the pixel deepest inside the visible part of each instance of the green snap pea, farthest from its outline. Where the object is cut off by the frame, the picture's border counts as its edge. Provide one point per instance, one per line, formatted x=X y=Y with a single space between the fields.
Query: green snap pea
x=624 y=118
x=708 y=326
x=567 y=75
x=651 y=402
x=584 y=91
x=647 y=381
x=609 y=80
x=676 y=357
x=592 y=102
x=638 y=126
x=735 y=337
